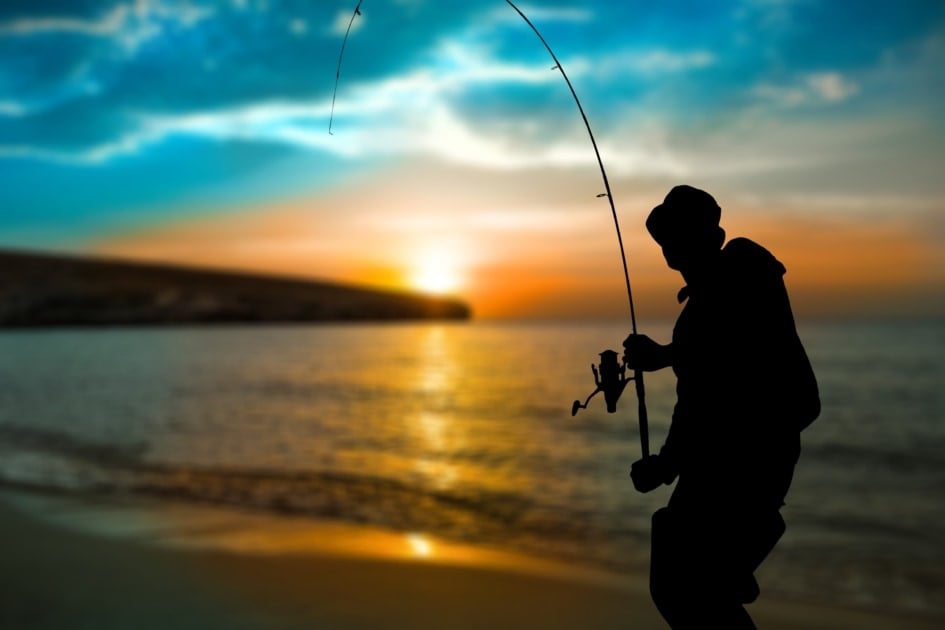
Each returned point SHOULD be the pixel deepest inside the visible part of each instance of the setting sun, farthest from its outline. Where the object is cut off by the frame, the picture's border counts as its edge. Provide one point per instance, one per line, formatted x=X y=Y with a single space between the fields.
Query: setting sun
x=435 y=271
x=435 y=280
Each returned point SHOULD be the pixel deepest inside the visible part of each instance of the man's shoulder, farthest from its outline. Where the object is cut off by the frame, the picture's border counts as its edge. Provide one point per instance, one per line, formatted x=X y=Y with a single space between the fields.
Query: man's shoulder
x=741 y=246
x=744 y=255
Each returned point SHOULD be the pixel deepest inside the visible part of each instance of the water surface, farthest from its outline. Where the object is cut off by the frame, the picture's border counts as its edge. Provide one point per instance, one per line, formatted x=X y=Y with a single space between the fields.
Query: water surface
x=463 y=431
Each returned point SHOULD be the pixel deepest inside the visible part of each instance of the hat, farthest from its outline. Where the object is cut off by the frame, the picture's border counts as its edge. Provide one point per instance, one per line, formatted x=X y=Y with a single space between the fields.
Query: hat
x=684 y=211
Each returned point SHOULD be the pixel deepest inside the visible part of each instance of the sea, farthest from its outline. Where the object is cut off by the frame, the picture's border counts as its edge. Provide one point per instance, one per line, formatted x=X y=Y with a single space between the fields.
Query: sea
x=464 y=432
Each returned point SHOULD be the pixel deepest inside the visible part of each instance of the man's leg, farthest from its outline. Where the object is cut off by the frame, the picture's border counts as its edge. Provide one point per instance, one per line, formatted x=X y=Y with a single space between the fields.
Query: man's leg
x=665 y=566
x=694 y=574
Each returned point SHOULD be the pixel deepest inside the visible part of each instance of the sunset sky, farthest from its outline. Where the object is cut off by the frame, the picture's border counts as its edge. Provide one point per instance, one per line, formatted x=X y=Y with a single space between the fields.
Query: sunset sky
x=197 y=132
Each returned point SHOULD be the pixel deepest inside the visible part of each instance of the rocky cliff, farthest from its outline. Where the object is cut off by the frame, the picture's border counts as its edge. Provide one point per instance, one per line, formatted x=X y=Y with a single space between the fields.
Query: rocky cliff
x=53 y=290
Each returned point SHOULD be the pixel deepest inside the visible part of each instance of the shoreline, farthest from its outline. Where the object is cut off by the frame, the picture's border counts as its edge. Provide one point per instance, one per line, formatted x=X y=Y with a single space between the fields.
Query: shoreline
x=208 y=568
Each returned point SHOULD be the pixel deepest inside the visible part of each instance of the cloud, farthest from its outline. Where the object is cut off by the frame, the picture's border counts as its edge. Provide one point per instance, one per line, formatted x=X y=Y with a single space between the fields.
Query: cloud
x=526 y=255
x=298 y=27
x=817 y=88
x=342 y=19
x=78 y=82
x=127 y=144
x=542 y=14
x=423 y=111
x=653 y=61
x=477 y=96
x=12 y=108
x=108 y=24
x=431 y=107
x=390 y=124
x=772 y=15
x=129 y=25
x=831 y=86
x=291 y=123
x=52 y=62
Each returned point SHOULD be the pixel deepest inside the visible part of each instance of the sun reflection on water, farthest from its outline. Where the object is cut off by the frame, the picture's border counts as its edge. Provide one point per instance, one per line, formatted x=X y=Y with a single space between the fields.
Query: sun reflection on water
x=443 y=475
x=439 y=434
x=420 y=545
x=433 y=428
x=438 y=365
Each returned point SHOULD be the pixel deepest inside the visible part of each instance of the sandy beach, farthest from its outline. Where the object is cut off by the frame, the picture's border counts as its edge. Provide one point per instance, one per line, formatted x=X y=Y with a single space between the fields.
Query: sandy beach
x=335 y=576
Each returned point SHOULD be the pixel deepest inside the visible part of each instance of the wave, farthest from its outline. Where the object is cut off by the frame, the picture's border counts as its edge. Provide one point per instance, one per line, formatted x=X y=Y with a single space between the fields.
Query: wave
x=919 y=458
x=53 y=462
x=54 y=442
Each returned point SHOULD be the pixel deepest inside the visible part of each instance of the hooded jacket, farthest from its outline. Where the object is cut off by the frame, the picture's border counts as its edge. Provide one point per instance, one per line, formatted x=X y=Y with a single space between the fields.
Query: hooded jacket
x=745 y=387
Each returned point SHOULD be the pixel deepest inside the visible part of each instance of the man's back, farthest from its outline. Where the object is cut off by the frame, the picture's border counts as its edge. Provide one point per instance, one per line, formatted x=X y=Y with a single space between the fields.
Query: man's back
x=744 y=384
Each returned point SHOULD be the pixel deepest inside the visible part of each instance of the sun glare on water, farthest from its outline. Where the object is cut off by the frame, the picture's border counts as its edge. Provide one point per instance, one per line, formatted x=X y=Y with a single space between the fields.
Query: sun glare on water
x=420 y=545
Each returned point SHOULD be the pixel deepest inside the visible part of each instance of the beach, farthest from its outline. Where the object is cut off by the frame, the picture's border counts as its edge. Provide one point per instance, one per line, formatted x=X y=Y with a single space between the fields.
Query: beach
x=59 y=577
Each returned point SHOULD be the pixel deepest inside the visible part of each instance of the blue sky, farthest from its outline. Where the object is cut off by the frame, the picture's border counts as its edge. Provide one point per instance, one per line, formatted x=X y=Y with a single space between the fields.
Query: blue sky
x=120 y=120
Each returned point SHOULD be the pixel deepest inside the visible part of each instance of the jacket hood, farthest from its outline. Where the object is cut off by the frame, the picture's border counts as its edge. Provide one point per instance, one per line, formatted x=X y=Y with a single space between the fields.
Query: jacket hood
x=746 y=254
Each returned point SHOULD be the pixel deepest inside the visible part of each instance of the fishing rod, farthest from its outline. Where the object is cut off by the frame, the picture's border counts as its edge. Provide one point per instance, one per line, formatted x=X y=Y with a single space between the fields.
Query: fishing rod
x=331 y=117
x=611 y=379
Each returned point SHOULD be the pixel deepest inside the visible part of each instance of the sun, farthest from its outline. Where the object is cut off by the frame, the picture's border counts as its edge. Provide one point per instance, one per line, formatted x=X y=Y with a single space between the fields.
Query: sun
x=435 y=280
x=435 y=271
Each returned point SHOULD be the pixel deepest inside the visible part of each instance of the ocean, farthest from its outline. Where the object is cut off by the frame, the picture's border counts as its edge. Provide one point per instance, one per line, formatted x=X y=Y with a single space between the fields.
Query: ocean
x=463 y=431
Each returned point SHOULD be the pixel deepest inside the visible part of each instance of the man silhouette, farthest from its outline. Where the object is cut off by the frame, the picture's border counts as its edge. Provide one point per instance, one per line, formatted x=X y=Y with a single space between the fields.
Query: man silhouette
x=745 y=389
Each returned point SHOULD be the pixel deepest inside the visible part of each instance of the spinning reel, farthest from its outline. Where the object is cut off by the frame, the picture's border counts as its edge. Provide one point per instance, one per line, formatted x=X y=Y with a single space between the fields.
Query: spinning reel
x=610 y=377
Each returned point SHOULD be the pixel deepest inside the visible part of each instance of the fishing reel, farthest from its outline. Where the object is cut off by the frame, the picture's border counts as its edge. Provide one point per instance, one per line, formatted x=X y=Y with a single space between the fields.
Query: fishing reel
x=610 y=377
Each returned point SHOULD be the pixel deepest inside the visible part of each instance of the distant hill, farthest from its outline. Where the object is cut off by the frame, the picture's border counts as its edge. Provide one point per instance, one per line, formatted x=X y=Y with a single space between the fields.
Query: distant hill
x=54 y=290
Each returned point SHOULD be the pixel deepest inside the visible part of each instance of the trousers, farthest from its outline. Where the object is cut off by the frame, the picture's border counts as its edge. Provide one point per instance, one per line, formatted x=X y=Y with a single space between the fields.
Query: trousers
x=702 y=565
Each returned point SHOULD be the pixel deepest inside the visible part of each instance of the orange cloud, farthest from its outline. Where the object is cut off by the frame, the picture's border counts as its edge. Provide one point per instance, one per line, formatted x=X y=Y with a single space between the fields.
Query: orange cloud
x=848 y=266
x=514 y=256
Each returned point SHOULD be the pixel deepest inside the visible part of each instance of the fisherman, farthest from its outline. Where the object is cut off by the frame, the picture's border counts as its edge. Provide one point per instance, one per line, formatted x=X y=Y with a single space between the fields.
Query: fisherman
x=745 y=390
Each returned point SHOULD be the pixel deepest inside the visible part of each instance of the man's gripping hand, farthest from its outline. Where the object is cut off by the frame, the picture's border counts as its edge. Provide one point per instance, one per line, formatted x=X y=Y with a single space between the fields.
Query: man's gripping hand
x=642 y=353
x=647 y=474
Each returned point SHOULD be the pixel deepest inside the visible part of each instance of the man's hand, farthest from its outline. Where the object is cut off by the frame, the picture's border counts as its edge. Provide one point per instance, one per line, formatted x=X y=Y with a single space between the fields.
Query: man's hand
x=647 y=473
x=642 y=353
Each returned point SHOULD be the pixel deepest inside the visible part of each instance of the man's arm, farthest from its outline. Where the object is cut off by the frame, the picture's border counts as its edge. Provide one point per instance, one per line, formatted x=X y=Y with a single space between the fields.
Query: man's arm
x=642 y=353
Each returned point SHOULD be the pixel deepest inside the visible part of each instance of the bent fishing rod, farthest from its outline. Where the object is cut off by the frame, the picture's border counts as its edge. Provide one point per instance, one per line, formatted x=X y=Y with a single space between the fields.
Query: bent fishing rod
x=334 y=93
x=611 y=378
